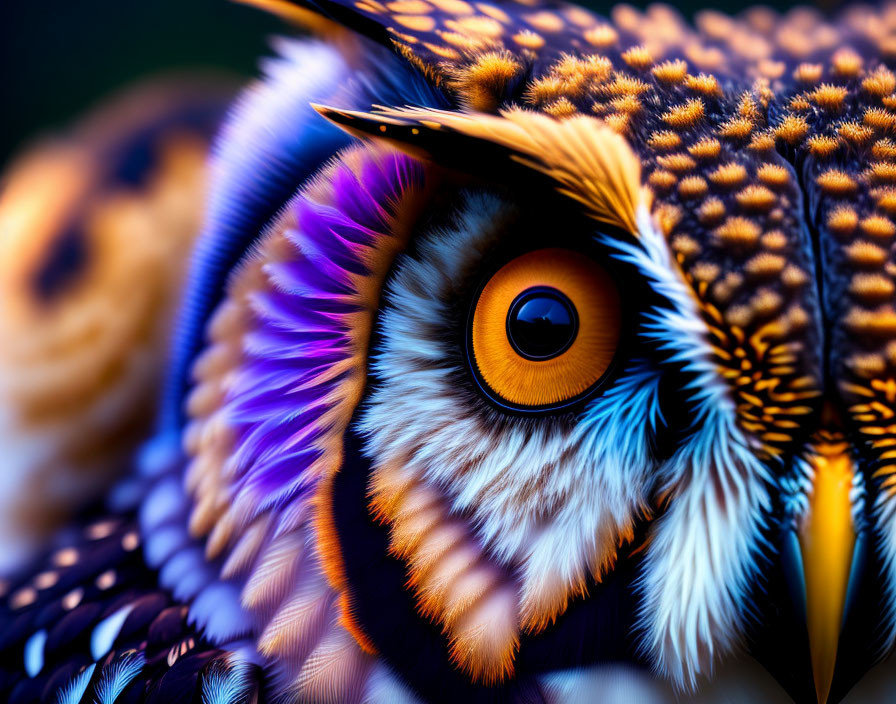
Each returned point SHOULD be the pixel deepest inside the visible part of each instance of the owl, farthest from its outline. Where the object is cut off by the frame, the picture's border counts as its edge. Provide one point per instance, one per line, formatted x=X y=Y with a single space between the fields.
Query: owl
x=524 y=355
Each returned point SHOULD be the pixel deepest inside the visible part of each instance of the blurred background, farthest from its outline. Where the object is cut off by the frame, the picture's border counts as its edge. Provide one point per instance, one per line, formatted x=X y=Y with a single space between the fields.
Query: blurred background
x=57 y=57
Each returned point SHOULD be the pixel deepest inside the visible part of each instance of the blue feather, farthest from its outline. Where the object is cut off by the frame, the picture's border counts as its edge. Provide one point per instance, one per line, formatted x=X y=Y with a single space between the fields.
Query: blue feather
x=116 y=676
x=76 y=687
x=106 y=631
x=226 y=683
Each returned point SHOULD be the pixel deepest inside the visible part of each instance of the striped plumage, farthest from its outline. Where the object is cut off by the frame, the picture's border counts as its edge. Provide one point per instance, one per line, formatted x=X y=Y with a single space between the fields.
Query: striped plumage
x=365 y=485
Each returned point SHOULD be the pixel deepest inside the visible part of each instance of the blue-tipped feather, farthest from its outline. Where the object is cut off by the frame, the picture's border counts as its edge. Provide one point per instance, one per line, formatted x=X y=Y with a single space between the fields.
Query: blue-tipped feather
x=34 y=653
x=106 y=631
x=74 y=690
x=116 y=676
x=227 y=683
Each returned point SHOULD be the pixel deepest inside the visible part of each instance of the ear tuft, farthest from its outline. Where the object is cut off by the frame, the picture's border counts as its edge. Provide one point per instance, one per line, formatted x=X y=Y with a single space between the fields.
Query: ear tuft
x=584 y=158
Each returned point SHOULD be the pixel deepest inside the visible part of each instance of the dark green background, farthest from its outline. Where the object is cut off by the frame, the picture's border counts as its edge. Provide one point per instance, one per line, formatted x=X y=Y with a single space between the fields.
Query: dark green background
x=58 y=57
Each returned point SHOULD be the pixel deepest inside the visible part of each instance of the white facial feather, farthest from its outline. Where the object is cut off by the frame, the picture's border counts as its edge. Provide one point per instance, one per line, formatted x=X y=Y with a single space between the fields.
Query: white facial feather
x=544 y=497
x=551 y=498
x=702 y=553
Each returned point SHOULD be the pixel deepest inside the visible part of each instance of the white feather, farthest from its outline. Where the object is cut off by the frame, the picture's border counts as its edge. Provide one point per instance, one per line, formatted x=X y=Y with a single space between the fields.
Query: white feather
x=702 y=555
x=495 y=472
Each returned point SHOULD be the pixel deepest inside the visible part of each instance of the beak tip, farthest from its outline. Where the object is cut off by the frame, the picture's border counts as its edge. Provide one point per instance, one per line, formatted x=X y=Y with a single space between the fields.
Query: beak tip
x=827 y=539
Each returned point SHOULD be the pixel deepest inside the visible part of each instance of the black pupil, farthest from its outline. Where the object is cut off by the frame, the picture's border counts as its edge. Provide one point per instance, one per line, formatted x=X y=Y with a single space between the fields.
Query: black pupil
x=542 y=323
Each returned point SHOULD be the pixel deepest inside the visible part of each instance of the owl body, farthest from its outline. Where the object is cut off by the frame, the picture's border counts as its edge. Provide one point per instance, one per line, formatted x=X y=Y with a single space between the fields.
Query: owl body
x=525 y=355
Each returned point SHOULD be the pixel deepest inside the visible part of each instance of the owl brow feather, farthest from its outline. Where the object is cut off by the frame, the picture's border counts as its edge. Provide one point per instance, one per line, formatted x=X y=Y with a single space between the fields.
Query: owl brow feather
x=587 y=161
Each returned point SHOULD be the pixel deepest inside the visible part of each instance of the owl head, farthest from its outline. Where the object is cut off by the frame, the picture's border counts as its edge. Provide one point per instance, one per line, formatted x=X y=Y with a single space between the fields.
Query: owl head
x=520 y=341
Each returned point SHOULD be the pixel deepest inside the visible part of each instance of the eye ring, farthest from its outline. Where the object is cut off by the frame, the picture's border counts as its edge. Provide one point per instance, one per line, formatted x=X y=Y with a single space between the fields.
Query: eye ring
x=571 y=372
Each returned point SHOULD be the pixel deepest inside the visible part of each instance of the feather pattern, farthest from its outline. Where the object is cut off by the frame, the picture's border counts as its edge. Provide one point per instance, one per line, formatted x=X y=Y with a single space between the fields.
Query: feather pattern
x=719 y=489
x=273 y=396
x=584 y=158
x=116 y=676
x=72 y=692
x=493 y=476
x=456 y=584
x=261 y=146
x=322 y=371
x=228 y=682
x=270 y=145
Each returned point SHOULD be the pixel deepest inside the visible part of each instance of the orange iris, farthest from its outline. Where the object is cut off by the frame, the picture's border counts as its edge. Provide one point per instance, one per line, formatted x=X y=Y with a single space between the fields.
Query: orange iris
x=557 y=280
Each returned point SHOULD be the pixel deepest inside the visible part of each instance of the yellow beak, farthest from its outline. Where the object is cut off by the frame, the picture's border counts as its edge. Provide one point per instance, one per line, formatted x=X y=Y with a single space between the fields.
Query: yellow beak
x=827 y=541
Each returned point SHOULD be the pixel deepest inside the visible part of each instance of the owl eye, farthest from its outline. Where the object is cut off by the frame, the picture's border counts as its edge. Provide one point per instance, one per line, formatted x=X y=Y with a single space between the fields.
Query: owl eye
x=544 y=330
